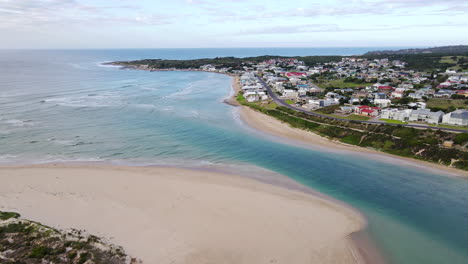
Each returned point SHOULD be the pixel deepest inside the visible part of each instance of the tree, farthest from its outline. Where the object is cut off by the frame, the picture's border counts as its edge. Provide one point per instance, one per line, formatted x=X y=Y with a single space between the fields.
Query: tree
x=457 y=96
x=442 y=78
x=408 y=92
x=344 y=101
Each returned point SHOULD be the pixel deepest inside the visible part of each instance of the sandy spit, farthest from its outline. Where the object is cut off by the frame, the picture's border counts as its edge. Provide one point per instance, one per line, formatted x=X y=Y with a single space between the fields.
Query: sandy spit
x=172 y=215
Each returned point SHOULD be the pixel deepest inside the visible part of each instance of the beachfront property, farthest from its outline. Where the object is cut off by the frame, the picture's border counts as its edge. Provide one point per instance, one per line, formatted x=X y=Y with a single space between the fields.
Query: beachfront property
x=319 y=103
x=425 y=115
x=365 y=110
x=252 y=89
x=458 y=117
x=396 y=114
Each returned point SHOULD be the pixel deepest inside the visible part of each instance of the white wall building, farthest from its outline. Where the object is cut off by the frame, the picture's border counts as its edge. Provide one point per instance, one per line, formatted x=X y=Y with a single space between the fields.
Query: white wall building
x=382 y=103
x=458 y=117
x=425 y=115
x=395 y=114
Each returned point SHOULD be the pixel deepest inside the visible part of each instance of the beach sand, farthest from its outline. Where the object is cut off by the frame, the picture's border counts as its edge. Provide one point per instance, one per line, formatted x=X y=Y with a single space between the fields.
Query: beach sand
x=300 y=137
x=236 y=88
x=171 y=215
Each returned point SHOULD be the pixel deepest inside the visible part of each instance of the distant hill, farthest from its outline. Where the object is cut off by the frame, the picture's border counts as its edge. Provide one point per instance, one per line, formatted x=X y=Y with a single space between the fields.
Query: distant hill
x=439 y=50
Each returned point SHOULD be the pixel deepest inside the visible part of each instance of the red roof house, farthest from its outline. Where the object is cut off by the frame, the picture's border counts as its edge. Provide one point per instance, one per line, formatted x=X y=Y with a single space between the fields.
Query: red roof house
x=385 y=88
x=367 y=110
x=295 y=74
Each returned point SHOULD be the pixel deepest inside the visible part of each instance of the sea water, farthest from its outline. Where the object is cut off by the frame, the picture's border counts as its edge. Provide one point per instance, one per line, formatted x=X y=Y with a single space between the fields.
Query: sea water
x=64 y=106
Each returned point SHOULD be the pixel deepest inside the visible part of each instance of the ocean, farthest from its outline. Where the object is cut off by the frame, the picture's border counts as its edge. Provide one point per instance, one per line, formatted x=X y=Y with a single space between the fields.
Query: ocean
x=64 y=106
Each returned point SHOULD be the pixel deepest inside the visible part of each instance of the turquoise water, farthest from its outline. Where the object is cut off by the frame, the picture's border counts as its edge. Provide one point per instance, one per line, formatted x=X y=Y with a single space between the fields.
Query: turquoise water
x=64 y=106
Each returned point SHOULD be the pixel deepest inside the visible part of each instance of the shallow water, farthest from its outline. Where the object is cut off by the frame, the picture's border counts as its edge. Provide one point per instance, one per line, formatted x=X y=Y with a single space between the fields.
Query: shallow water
x=64 y=106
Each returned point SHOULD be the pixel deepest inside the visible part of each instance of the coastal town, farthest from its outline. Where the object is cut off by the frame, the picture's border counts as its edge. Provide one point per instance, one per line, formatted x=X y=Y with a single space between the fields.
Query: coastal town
x=379 y=90
x=412 y=108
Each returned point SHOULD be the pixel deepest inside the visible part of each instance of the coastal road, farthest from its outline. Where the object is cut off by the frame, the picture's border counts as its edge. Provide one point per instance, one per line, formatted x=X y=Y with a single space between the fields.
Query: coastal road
x=281 y=102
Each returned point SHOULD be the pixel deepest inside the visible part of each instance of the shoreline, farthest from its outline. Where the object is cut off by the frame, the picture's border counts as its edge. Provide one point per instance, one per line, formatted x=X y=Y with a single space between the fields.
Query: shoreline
x=302 y=138
x=176 y=206
x=284 y=132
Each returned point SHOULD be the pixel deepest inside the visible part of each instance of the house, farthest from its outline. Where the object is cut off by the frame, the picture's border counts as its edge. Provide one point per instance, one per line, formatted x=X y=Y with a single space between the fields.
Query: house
x=418 y=105
x=397 y=94
x=419 y=94
x=361 y=94
x=296 y=74
x=395 y=114
x=383 y=103
x=425 y=115
x=251 y=97
x=367 y=110
x=463 y=92
x=315 y=91
x=444 y=93
x=385 y=88
x=345 y=110
x=458 y=117
x=332 y=95
x=290 y=94
x=323 y=103
x=380 y=96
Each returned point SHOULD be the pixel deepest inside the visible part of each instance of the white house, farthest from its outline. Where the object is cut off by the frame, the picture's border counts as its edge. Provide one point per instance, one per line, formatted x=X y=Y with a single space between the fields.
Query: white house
x=290 y=94
x=395 y=114
x=323 y=102
x=419 y=105
x=425 y=115
x=458 y=117
x=382 y=103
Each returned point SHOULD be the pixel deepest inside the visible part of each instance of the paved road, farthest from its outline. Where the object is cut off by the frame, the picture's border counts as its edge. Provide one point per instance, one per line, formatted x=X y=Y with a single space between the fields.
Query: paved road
x=281 y=102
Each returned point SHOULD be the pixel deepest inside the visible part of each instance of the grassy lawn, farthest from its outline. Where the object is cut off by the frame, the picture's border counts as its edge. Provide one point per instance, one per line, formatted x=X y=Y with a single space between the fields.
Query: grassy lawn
x=350 y=117
x=341 y=84
x=391 y=121
x=269 y=105
x=289 y=101
x=446 y=103
x=453 y=127
x=449 y=60
x=357 y=117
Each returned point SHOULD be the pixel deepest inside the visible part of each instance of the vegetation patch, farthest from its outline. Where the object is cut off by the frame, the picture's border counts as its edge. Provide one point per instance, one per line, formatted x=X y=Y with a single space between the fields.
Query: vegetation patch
x=447 y=105
x=27 y=242
x=8 y=215
x=391 y=121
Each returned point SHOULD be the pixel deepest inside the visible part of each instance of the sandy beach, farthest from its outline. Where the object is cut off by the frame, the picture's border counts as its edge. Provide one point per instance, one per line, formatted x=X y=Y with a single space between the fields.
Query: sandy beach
x=236 y=88
x=170 y=215
x=277 y=128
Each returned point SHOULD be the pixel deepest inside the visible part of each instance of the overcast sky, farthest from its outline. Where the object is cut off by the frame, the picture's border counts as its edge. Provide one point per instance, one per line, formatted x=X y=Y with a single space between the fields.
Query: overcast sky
x=231 y=23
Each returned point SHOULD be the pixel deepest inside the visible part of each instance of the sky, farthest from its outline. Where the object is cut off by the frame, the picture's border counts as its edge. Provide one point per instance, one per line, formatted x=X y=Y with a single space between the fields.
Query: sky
x=231 y=23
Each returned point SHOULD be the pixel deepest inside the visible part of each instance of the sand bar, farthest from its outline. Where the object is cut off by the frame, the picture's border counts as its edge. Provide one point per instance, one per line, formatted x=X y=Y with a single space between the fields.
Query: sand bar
x=170 y=215
x=277 y=128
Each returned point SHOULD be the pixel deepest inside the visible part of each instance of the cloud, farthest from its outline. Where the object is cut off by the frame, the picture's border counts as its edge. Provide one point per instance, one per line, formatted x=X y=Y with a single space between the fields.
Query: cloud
x=71 y=12
x=340 y=8
x=313 y=28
